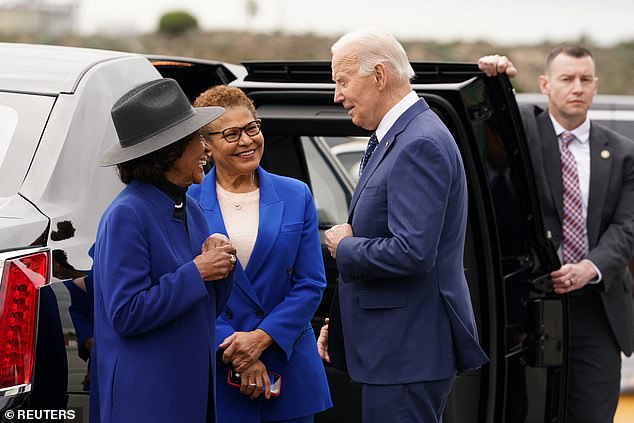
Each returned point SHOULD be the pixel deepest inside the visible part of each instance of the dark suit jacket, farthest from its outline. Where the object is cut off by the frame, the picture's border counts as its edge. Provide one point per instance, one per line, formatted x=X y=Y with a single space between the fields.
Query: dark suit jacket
x=610 y=221
x=403 y=299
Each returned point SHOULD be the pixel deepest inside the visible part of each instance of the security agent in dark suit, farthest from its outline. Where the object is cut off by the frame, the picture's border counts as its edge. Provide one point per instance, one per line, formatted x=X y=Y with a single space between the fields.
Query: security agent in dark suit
x=595 y=252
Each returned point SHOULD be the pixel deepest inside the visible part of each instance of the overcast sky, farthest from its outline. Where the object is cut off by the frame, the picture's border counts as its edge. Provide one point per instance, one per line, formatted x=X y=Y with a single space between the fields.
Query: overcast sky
x=512 y=21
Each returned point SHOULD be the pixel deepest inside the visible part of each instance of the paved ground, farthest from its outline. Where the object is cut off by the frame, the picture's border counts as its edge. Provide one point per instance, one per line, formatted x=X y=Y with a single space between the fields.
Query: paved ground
x=627 y=374
x=625 y=410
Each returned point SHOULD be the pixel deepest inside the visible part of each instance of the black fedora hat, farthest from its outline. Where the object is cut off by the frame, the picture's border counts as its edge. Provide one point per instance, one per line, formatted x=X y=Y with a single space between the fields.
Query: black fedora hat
x=152 y=116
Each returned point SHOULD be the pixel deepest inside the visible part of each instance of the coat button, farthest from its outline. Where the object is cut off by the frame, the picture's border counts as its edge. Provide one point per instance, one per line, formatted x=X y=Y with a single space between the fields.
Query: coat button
x=259 y=313
x=229 y=313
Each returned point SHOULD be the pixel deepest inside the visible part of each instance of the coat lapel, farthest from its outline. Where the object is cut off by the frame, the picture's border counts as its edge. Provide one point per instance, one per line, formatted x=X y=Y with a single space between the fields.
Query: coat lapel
x=600 y=168
x=384 y=146
x=271 y=212
x=209 y=203
x=211 y=207
x=552 y=162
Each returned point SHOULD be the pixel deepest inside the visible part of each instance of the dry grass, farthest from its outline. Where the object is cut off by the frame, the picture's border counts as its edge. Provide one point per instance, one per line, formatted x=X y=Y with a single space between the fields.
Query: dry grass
x=615 y=64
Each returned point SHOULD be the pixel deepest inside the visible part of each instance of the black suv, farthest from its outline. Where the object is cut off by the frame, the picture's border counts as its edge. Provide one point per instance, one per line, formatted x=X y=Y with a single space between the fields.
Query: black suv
x=56 y=101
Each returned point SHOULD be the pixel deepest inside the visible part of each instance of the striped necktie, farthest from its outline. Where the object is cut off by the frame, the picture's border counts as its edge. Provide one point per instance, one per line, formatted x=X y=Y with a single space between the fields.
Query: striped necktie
x=575 y=235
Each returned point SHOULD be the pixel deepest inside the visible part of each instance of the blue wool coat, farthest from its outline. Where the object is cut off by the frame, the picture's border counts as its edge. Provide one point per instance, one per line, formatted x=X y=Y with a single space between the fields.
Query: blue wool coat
x=278 y=292
x=154 y=315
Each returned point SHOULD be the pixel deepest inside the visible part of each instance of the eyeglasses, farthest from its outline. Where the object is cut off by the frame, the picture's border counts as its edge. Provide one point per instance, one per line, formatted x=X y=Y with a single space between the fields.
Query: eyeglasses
x=233 y=134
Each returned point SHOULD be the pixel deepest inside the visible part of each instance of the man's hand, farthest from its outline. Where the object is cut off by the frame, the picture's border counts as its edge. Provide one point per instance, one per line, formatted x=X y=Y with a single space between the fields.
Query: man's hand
x=334 y=235
x=496 y=64
x=571 y=277
x=242 y=349
x=322 y=342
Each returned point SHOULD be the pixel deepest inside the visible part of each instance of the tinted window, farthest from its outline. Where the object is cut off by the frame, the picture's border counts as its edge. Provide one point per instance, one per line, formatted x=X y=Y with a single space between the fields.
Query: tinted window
x=330 y=198
x=505 y=196
x=349 y=151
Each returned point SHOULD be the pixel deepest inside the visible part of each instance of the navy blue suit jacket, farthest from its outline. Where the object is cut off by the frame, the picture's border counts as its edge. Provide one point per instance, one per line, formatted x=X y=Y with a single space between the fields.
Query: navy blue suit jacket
x=278 y=292
x=403 y=301
x=154 y=315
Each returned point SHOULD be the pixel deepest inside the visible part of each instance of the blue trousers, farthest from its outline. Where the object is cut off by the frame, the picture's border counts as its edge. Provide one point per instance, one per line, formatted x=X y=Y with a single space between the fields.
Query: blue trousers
x=305 y=419
x=422 y=402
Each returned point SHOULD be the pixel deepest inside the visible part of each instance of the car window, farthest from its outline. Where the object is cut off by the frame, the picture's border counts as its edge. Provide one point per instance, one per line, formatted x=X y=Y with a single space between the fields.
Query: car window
x=351 y=162
x=501 y=181
x=330 y=198
x=348 y=150
x=22 y=119
x=8 y=123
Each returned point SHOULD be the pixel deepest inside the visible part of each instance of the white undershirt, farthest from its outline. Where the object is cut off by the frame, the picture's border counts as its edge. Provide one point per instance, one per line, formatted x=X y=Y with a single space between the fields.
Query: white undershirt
x=241 y=214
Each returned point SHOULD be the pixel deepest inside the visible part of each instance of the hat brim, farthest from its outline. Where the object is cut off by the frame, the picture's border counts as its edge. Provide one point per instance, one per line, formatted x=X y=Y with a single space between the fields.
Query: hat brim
x=201 y=117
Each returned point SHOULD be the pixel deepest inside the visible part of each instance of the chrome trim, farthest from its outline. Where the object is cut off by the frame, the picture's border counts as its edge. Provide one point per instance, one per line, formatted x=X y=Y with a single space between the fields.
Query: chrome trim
x=21 y=252
x=15 y=390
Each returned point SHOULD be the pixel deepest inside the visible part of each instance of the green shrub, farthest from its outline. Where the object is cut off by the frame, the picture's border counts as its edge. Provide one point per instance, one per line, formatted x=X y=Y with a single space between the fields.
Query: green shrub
x=177 y=23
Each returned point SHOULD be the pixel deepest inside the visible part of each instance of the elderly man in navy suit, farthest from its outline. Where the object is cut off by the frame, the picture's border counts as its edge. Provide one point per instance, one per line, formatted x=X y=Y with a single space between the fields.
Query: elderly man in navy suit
x=402 y=321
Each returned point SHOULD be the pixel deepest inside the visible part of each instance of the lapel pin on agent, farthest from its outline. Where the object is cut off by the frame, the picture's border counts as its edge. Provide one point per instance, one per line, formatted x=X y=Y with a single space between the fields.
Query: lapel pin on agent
x=605 y=154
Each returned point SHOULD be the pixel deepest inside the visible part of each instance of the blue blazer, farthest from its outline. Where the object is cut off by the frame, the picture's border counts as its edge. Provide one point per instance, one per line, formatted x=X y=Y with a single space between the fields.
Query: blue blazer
x=278 y=292
x=403 y=301
x=152 y=357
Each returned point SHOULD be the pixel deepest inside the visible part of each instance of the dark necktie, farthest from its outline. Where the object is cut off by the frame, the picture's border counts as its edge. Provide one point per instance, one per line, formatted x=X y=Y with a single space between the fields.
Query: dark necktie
x=372 y=143
x=575 y=238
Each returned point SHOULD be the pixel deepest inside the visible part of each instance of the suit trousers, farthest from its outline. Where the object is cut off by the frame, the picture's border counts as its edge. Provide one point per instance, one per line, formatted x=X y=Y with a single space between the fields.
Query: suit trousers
x=594 y=373
x=422 y=402
x=304 y=419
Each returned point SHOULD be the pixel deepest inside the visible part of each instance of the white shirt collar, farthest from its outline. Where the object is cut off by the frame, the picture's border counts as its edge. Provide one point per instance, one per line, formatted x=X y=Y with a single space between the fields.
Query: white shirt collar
x=582 y=132
x=394 y=113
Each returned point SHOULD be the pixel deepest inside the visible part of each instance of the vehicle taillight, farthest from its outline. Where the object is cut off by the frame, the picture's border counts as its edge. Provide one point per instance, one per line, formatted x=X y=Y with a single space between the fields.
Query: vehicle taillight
x=18 y=309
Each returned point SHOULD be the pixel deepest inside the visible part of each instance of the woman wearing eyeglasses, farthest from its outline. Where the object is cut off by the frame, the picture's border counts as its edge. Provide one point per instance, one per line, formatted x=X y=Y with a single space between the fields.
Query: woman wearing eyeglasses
x=279 y=279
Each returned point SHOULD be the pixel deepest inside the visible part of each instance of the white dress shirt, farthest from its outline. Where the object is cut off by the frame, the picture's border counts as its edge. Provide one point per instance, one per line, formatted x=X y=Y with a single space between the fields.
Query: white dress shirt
x=394 y=113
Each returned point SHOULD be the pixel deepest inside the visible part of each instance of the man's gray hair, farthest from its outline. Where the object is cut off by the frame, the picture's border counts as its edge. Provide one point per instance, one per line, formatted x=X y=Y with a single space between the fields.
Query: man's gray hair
x=372 y=46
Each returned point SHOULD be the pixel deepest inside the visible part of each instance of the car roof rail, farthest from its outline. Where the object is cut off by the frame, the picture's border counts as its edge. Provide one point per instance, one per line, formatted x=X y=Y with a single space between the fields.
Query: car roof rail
x=320 y=72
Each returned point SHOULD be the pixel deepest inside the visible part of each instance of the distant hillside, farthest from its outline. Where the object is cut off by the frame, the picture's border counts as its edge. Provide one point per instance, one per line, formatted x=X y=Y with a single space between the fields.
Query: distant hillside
x=615 y=64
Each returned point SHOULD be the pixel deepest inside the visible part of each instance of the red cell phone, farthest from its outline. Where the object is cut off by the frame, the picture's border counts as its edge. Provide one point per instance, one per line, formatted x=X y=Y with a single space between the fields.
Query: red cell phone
x=233 y=379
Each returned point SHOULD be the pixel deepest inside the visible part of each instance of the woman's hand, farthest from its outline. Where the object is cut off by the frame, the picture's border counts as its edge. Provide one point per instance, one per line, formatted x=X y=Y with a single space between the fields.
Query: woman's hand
x=242 y=349
x=218 y=258
x=255 y=381
x=322 y=341
x=215 y=240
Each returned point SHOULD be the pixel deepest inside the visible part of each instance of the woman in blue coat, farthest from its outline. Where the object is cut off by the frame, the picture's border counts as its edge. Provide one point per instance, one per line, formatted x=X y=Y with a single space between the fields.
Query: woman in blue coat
x=272 y=222
x=159 y=282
